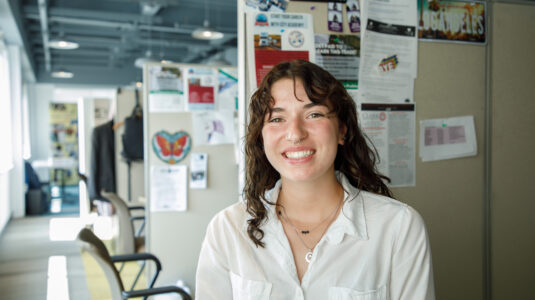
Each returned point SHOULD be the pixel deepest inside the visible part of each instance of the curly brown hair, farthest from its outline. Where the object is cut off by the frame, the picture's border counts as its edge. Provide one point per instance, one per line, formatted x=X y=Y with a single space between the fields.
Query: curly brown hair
x=355 y=159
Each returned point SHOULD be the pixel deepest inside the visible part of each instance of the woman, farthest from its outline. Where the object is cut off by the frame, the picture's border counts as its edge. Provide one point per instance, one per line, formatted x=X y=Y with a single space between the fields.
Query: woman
x=318 y=221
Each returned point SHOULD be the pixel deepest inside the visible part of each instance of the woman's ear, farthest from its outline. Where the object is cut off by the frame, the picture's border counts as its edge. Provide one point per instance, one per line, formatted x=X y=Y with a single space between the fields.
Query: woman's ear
x=342 y=134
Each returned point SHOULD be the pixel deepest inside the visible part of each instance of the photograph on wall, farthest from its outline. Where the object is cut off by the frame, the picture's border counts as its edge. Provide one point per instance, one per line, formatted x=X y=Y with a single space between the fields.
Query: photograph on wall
x=266 y=5
x=213 y=127
x=198 y=171
x=452 y=21
x=166 y=89
x=276 y=37
x=353 y=15
x=227 y=88
x=334 y=17
x=202 y=82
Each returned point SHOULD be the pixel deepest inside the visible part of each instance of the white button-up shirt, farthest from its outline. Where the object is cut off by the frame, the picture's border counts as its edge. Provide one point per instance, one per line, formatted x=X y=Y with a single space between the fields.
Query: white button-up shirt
x=377 y=248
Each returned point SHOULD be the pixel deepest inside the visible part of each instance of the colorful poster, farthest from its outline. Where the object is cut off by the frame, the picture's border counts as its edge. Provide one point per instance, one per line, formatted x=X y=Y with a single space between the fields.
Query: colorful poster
x=276 y=37
x=64 y=142
x=201 y=88
x=166 y=89
x=456 y=21
x=340 y=55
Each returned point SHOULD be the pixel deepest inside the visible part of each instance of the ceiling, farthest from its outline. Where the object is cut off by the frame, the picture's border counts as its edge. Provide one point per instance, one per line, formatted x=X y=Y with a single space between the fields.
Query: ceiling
x=112 y=34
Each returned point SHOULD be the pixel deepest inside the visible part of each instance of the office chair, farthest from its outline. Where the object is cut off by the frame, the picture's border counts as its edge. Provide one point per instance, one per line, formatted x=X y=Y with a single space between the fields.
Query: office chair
x=91 y=244
x=128 y=241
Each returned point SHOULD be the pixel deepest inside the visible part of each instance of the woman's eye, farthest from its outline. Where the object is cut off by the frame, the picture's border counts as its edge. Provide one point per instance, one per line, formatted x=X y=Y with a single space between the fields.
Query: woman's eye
x=315 y=115
x=275 y=120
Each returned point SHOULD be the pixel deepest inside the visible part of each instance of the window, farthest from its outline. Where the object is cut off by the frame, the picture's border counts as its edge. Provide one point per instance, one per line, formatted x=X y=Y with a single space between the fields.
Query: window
x=6 y=151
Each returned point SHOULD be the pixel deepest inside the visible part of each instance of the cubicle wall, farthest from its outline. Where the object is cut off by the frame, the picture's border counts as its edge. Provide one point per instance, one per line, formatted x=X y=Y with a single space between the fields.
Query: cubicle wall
x=175 y=237
x=511 y=186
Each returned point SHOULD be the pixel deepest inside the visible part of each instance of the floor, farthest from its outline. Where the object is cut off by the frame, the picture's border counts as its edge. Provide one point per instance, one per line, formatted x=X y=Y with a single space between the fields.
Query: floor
x=27 y=247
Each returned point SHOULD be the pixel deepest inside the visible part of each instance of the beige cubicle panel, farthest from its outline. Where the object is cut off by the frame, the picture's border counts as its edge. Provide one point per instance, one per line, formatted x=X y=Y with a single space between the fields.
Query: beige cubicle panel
x=176 y=237
x=512 y=188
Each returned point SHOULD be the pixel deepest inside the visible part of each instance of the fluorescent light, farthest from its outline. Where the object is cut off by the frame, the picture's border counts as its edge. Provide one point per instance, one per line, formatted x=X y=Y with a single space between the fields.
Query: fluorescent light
x=62 y=74
x=63 y=44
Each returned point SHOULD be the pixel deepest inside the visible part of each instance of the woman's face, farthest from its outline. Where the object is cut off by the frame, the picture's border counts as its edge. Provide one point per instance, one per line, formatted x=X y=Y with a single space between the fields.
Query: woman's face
x=300 y=138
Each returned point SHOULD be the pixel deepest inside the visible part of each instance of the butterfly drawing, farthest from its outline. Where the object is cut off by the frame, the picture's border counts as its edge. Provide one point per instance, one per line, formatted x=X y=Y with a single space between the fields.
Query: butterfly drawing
x=171 y=148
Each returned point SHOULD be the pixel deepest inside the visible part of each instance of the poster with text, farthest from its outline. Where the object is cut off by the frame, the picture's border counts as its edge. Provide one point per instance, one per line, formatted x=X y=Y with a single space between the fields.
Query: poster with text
x=202 y=82
x=391 y=129
x=168 y=188
x=340 y=55
x=227 y=89
x=452 y=21
x=276 y=37
x=166 y=89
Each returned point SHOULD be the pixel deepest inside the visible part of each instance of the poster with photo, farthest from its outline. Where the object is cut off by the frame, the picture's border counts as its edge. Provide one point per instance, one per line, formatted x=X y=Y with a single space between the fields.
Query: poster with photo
x=353 y=15
x=276 y=37
x=213 y=127
x=201 y=86
x=334 y=17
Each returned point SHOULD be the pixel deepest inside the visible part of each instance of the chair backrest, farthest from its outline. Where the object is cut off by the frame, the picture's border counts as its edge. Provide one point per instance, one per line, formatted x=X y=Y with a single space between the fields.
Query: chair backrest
x=91 y=244
x=126 y=242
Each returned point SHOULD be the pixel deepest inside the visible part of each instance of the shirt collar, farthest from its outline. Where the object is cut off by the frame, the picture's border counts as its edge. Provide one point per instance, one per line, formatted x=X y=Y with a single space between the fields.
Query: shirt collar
x=350 y=221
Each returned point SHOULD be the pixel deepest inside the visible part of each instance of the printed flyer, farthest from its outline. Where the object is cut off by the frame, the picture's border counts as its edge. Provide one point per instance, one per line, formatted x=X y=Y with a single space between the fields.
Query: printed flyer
x=276 y=37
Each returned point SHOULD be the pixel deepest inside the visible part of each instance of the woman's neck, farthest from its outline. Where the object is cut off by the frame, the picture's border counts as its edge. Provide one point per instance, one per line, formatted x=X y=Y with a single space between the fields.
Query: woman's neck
x=310 y=202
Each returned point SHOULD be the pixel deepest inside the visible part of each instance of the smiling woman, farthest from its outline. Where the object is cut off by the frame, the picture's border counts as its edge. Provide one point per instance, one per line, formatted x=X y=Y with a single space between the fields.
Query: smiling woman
x=318 y=220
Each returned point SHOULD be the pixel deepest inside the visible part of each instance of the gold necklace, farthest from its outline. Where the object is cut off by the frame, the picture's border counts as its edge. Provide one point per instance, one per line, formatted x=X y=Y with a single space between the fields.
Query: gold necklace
x=308 y=255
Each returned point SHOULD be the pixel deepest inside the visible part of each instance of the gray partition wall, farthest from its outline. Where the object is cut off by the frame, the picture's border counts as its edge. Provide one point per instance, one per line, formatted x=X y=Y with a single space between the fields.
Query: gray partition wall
x=512 y=162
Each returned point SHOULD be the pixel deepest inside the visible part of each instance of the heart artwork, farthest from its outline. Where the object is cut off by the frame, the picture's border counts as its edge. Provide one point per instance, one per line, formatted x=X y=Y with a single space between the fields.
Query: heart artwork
x=171 y=148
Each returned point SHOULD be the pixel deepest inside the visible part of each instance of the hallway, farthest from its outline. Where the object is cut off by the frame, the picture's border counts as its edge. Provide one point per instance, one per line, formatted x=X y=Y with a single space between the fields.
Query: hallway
x=28 y=247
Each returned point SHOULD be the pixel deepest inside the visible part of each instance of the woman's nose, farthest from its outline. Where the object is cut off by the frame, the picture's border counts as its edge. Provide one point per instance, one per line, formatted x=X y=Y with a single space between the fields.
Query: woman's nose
x=296 y=132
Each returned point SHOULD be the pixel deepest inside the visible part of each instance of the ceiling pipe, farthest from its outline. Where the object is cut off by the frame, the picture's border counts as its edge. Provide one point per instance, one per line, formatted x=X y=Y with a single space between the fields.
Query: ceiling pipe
x=43 y=17
x=129 y=26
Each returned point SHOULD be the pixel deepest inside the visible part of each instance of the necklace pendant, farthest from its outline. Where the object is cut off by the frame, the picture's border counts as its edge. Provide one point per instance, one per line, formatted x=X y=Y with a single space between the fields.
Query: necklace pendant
x=305 y=231
x=308 y=257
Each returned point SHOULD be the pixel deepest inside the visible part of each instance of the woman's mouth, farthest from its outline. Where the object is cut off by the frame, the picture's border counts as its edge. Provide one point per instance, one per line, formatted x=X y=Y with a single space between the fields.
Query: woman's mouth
x=298 y=154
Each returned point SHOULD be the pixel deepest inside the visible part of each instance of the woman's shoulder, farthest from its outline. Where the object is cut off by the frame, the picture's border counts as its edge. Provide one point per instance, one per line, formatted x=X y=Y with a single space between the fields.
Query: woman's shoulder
x=383 y=206
x=385 y=209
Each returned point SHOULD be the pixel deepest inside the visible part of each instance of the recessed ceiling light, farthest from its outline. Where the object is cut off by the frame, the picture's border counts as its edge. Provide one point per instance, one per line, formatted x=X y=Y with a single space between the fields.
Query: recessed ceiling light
x=62 y=74
x=63 y=44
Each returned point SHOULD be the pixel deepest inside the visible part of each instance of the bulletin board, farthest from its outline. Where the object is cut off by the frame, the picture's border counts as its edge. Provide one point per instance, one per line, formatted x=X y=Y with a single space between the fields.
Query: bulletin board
x=447 y=193
x=178 y=215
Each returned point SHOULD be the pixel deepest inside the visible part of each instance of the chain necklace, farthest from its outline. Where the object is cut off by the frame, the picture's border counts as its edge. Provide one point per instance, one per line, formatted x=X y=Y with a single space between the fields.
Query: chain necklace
x=308 y=255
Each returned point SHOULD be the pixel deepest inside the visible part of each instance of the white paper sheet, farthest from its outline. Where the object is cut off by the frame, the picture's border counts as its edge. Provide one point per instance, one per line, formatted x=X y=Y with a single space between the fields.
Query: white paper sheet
x=213 y=127
x=391 y=129
x=168 y=188
x=198 y=170
x=447 y=138
x=166 y=89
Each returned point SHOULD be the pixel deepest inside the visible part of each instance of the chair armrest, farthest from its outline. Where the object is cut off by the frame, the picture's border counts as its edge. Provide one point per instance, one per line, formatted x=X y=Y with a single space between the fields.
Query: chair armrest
x=137 y=257
x=136 y=207
x=156 y=291
x=137 y=218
